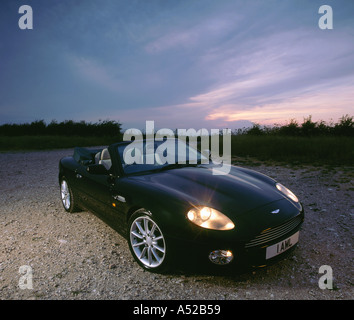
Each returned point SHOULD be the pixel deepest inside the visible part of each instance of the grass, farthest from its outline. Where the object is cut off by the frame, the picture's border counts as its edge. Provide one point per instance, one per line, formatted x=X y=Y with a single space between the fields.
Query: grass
x=332 y=150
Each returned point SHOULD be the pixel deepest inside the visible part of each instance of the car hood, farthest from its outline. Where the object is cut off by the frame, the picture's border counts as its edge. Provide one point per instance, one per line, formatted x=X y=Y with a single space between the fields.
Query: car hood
x=236 y=193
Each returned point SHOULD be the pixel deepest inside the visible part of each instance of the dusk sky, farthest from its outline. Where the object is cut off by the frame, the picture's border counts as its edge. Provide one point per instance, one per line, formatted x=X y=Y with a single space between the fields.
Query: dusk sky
x=182 y=63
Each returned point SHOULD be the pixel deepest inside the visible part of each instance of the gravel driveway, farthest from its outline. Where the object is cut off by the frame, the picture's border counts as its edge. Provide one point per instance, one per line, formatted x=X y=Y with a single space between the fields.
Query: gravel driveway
x=77 y=256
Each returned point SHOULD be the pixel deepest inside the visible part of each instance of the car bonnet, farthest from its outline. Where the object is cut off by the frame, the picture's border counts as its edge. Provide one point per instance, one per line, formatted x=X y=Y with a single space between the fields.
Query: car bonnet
x=234 y=194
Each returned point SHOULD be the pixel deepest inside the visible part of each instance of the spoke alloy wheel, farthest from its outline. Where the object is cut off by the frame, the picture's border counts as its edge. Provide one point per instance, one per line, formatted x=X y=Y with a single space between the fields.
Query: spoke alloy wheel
x=147 y=242
x=65 y=194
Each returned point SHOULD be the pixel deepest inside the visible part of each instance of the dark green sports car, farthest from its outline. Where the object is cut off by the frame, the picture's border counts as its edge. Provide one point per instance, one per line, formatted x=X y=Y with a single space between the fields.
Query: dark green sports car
x=182 y=213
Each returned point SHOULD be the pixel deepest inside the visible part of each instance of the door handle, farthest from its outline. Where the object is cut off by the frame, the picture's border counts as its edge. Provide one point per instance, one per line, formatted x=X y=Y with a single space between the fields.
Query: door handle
x=78 y=175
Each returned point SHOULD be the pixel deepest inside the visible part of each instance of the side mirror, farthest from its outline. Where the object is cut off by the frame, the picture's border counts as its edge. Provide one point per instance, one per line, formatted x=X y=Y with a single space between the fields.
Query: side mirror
x=97 y=169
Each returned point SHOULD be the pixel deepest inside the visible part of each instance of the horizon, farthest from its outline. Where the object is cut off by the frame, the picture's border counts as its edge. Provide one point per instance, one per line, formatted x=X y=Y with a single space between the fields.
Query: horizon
x=182 y=64
x=149 y=126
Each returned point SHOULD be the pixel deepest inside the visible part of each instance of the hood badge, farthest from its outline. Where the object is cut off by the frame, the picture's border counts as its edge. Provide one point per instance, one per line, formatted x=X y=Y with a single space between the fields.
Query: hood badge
x=275 y=211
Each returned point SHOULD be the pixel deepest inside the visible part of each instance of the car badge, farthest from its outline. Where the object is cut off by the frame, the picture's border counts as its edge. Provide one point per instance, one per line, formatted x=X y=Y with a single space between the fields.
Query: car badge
x=275 y=211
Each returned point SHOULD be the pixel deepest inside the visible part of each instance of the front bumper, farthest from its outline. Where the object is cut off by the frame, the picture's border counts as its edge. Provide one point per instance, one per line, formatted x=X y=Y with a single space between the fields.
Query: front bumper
x=247 y=253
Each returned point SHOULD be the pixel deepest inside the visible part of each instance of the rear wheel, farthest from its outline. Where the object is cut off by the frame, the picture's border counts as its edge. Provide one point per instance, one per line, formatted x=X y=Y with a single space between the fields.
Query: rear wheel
x=147 y=242
x=67 y=197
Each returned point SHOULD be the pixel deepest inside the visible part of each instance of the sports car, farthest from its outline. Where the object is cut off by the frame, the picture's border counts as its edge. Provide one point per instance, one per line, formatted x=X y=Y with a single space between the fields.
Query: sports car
x=182 y=213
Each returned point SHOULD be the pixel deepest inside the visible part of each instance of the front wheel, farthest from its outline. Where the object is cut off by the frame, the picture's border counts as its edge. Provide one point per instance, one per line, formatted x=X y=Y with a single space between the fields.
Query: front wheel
x=147 y=242
x=67 y=196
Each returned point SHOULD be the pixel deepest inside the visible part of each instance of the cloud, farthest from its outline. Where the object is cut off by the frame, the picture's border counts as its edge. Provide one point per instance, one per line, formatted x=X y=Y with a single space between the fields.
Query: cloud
x=93 y=71
x=191 y=37
x=321 y=103
x=282 y=76
x=181 y=63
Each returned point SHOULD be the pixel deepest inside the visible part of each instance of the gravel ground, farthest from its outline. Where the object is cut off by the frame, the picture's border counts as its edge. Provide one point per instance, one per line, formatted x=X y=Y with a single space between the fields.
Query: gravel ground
x=77 y=256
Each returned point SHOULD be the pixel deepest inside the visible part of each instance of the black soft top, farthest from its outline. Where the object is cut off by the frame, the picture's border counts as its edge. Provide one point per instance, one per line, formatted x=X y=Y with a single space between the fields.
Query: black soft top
x=85 y=156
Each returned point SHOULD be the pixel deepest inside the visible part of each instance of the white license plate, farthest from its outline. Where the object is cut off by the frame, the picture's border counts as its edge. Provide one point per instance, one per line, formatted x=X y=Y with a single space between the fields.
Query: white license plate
x=282 y=246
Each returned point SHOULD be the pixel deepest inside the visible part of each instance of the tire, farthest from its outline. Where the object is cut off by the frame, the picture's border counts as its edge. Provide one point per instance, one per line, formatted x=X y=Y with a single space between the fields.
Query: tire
x=67 y=197
x=147 y=243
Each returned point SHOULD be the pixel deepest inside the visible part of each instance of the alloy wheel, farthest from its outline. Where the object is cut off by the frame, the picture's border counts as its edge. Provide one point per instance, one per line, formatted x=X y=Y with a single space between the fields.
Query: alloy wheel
x=147 y=242
x=65 y=194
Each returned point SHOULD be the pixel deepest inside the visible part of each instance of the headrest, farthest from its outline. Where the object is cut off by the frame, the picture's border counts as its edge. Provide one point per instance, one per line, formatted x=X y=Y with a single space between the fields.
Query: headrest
x=105 y=155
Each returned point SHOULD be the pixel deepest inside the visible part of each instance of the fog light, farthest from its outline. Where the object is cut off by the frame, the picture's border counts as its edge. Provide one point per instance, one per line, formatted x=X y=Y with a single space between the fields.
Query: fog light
x=221 y=257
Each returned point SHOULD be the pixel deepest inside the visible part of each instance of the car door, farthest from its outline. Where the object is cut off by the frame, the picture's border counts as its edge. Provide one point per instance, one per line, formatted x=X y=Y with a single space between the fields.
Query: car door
x=101 y=193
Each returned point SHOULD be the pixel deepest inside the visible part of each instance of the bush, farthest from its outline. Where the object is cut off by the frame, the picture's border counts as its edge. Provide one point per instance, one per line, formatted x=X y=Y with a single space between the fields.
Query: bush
x=345 y=127
x=65 y=128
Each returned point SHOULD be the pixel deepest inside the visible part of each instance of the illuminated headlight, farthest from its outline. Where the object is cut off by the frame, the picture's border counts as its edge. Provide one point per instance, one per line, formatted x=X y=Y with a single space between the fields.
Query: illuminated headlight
x=287 y=192
x=209 y=218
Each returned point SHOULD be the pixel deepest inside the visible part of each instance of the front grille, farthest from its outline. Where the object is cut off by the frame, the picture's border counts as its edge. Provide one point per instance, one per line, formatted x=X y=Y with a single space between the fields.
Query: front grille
x=271 y=234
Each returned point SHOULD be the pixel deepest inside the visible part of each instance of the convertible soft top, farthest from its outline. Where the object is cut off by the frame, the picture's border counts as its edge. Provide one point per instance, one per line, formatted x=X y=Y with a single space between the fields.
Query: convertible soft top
x=85 y=156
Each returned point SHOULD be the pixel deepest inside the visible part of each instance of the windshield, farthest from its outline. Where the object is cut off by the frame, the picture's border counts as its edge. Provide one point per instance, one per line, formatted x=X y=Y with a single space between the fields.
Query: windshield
x=140 y=156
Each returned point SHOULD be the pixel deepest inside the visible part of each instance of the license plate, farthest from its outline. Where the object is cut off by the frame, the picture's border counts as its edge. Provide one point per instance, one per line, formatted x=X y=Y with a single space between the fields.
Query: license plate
x=282 y=246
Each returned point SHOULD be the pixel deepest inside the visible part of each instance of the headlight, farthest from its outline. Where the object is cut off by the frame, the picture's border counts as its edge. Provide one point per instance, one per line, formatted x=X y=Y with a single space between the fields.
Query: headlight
x=287 y=192
x=209 y=218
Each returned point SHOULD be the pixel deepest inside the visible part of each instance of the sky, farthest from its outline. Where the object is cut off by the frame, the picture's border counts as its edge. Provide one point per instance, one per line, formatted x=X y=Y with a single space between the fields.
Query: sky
x=181 y=63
